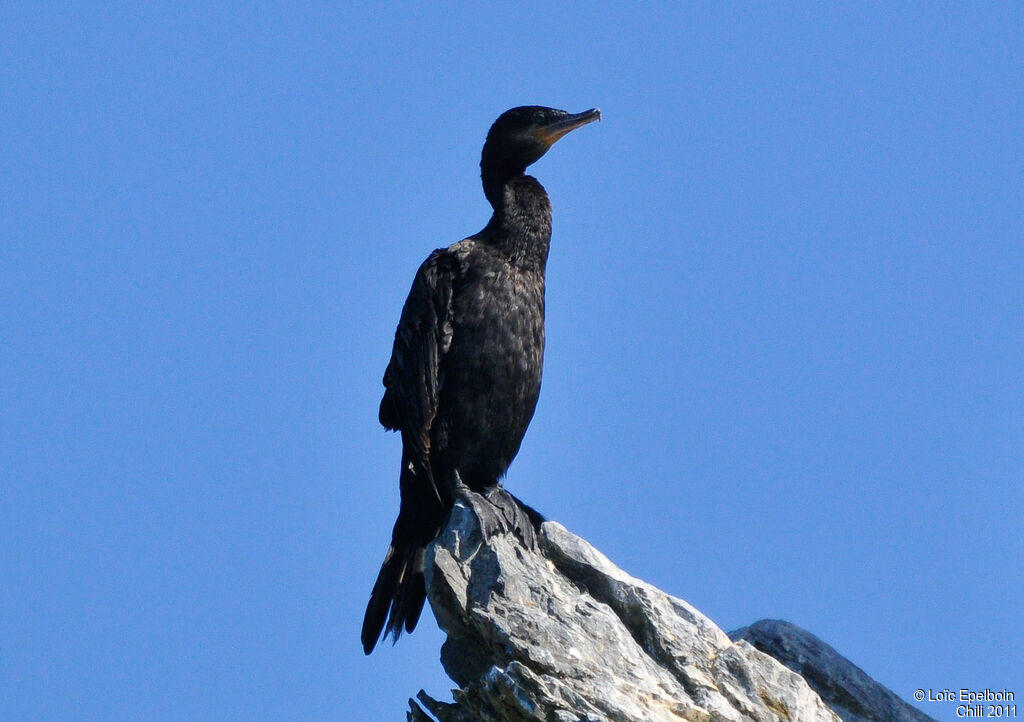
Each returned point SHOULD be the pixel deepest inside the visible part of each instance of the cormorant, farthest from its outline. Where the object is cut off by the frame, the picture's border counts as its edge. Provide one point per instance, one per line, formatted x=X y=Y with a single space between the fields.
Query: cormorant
x=465 y=369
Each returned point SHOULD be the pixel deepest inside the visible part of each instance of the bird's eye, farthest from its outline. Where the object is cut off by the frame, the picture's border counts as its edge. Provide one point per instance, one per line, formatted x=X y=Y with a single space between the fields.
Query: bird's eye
x=538 y=118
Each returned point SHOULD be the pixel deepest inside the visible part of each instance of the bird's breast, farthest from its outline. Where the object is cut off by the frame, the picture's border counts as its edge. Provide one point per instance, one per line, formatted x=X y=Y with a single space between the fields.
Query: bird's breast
x=491 y=374
x=501 y=314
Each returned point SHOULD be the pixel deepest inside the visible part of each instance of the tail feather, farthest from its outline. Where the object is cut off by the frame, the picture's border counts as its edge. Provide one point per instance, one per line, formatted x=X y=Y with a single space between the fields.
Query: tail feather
x=408 y=604
x=409 y=597
x=397 y=597
x=380 y=599
x=399 y=593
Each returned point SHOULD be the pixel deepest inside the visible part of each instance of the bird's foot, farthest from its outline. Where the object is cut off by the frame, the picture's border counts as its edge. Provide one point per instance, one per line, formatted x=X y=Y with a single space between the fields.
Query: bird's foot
x=491 y=522
x=501 y=513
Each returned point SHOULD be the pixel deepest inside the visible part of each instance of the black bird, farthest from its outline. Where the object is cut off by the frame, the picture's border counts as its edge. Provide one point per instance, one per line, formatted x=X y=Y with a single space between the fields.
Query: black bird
x=465 y=369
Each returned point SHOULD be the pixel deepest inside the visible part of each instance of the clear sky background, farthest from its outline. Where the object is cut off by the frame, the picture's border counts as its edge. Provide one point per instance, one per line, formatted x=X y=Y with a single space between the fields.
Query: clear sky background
x=785 y=364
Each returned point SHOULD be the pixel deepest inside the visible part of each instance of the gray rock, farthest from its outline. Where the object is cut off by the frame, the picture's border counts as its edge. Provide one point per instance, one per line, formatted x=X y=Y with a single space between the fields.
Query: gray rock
x=560 y=634
x=851 y=693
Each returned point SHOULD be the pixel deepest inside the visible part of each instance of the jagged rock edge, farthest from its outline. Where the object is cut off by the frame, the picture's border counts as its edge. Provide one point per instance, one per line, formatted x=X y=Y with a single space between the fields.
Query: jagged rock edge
x=707 y=640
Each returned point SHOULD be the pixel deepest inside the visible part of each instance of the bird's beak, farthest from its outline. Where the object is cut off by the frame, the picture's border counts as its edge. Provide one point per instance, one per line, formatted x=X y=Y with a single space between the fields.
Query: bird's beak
x=548 y=134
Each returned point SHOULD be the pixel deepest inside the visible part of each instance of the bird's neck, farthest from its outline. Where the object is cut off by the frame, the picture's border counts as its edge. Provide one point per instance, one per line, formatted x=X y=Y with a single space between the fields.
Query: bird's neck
x=521 y=224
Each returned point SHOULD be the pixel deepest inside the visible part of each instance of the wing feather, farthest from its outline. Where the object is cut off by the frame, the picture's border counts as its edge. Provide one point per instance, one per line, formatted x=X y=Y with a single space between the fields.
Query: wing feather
x=413 y=377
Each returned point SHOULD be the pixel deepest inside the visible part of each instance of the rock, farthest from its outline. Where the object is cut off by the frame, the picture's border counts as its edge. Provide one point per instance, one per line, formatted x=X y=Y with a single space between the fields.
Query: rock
x=851 y=693
x=560 y=634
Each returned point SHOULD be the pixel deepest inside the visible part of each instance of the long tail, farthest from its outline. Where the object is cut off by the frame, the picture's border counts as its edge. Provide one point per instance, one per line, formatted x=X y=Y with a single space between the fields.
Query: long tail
x=400 y=590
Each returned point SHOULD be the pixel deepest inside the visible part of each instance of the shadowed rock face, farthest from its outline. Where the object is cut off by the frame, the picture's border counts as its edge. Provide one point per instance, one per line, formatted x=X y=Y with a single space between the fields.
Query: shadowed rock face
x=851 y=693
x=561 y=634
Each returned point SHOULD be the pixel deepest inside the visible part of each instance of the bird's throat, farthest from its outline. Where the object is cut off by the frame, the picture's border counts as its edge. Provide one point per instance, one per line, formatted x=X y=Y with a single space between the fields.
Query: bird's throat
x=521 y=224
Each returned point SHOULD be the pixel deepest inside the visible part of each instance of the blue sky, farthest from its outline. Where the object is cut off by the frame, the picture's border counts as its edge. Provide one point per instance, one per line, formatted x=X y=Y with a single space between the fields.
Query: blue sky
x=784 y=371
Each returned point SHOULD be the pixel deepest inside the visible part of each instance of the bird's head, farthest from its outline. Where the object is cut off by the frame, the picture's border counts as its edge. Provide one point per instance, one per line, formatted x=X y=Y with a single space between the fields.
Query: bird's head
x=520 y=136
